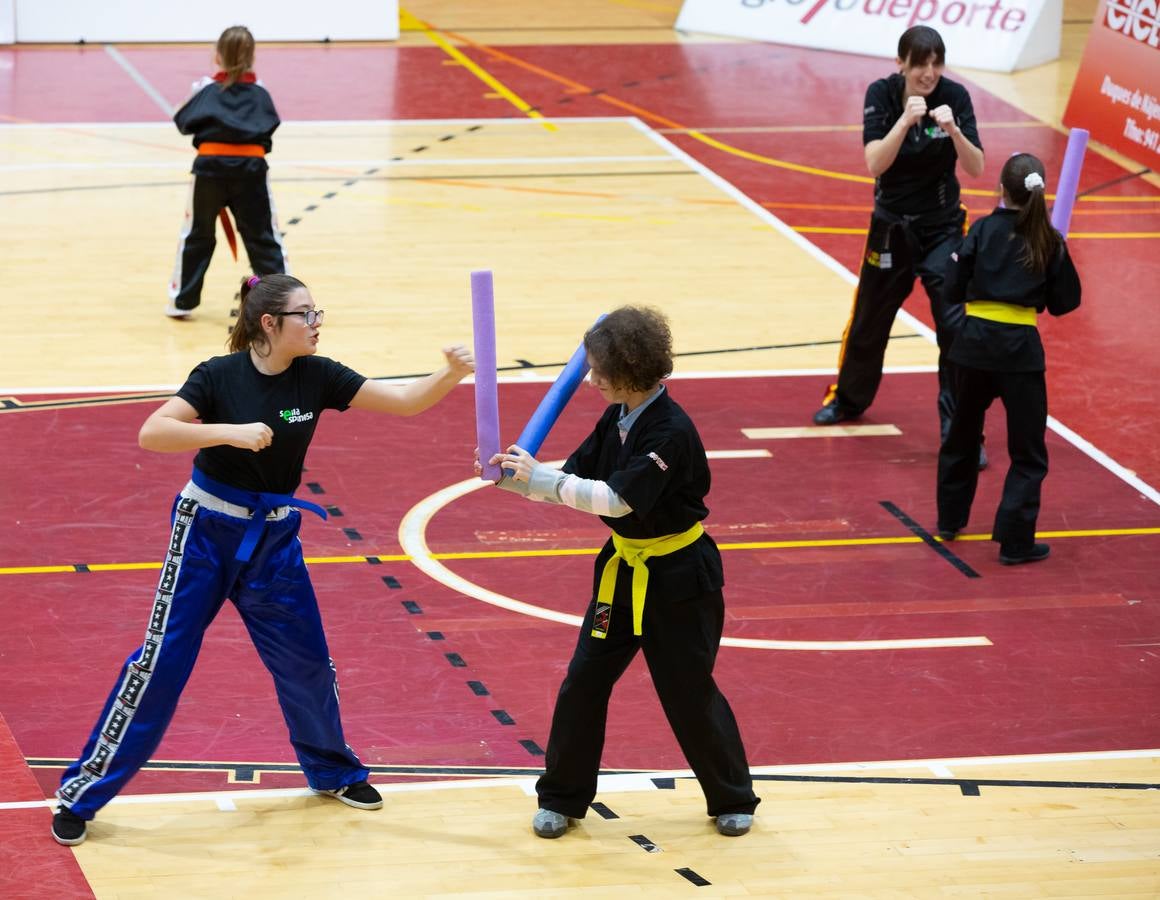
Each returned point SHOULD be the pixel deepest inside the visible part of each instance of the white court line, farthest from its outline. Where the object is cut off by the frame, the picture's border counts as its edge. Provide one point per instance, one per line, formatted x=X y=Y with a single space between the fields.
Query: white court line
x=820 y=431
x=1081 y=444
x=1103 y=459
x=623 y=780
x=381 y=163
x=141 y=81
x=413 y=540
x=521 y=378
x=960 y=761
x=739 y=454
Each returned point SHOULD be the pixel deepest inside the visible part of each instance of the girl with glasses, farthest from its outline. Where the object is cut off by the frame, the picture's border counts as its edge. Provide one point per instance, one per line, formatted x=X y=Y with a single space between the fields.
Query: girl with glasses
x=250 y=415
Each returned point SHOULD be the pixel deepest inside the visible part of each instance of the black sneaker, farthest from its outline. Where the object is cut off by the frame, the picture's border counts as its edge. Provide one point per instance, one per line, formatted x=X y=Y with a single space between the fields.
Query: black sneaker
x=68 y=829
x=948 y=534
x=1037 y=553
x=360 y=795
x=833 y=413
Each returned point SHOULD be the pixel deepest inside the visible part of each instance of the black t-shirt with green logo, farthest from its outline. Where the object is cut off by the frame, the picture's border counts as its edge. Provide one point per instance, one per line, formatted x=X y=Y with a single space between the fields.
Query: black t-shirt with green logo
x=921 y=180
x=228 y=389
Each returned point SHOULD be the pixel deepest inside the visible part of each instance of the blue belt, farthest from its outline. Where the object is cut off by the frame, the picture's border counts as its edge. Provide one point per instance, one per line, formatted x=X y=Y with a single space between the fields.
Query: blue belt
x=259 y=503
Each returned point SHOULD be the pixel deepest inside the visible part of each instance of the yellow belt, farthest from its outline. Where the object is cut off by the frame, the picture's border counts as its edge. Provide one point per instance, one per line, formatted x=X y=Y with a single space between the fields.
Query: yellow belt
x=636 y=553
x=1011 y=313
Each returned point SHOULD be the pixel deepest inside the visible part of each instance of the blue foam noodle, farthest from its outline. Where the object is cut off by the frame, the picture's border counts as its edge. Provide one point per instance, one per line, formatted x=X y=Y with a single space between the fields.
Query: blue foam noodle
x=557 y=397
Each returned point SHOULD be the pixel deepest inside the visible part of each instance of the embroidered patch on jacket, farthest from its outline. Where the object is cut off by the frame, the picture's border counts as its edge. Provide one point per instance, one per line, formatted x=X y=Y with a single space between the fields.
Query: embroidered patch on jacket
x=660 y=462
x=600 y=619
x=954 y=256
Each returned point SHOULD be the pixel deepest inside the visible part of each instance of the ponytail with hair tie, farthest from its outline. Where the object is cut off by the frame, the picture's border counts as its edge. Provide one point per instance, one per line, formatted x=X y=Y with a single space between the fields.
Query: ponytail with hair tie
x=1033 y=180
x=260 y=295
x=1023 y=184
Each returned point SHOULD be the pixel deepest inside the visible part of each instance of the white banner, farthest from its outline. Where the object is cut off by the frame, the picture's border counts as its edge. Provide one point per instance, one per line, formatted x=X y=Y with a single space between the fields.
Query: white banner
x=100 y=21
x=7 y=21
x=1000 y=35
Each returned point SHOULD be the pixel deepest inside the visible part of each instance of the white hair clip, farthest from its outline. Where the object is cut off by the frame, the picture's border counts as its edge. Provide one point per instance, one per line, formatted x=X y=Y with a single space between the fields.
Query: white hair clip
x=1033 y=180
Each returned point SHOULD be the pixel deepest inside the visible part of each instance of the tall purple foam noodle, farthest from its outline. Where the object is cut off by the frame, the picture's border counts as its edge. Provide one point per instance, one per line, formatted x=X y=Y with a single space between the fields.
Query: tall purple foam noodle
x=486 y=390
x=561 y=391
x=1065 y=188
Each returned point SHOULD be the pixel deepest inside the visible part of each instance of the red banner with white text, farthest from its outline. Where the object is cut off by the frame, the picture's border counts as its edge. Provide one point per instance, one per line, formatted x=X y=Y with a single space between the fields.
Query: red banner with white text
x=1116 y=95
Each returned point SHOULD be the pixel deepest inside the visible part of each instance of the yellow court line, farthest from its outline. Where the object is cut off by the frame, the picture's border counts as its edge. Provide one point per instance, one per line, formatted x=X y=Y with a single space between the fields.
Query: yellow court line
x=1133 y=198
x=1091 y=532
x=806 y=129
x=592 y=551
x=1113 y=234
x=866 y=208
x=413 y=23
x=578 y=88
x=819 y=229
x=670 y=125
x=779 y=163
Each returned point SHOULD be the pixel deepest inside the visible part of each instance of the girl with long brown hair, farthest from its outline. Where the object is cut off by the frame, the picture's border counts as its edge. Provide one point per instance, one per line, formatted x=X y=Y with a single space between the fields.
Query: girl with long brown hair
x=1012 y=266
x=235 y=535
x=918 y=128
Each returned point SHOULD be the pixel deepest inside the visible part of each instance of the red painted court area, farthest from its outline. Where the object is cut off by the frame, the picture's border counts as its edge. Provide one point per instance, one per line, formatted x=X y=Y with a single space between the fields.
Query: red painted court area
x=433 y=678
x=436 y=683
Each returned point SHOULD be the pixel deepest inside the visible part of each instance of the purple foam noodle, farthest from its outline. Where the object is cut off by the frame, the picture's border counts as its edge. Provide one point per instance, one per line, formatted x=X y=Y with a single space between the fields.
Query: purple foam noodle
x=486 y=389
x=1065 y=189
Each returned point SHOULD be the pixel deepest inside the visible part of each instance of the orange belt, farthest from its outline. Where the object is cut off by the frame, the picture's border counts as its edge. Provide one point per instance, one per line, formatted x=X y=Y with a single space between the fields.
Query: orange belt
x=209 y=148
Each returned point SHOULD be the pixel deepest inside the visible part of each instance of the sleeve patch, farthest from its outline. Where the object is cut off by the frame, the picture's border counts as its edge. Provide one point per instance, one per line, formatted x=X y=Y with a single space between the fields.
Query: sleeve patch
x=664 y=467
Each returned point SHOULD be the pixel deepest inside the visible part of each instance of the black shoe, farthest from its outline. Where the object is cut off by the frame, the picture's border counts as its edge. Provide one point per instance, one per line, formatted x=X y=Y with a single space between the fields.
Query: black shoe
x=360 y=795
x=947 y=534
x=68 y=829
x=1037 y=553
x=833 y=413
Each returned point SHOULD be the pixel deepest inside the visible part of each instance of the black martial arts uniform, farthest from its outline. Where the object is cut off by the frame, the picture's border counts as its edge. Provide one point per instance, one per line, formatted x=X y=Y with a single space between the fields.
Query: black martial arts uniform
x=999 y=354
x=232 y=128
x=916 y=223
x=661 y=471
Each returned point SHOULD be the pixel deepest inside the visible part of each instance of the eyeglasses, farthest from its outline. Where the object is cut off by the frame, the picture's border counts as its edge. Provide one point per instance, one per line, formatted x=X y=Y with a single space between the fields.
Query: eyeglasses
x=311 y=317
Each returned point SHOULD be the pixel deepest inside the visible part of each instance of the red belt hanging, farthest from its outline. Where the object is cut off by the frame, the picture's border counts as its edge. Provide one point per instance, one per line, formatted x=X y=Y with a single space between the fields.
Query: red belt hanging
x=228 y=228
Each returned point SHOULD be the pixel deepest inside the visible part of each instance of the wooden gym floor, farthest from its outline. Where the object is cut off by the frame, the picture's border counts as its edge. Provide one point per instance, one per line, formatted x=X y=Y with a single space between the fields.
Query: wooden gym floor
x=920 y=725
